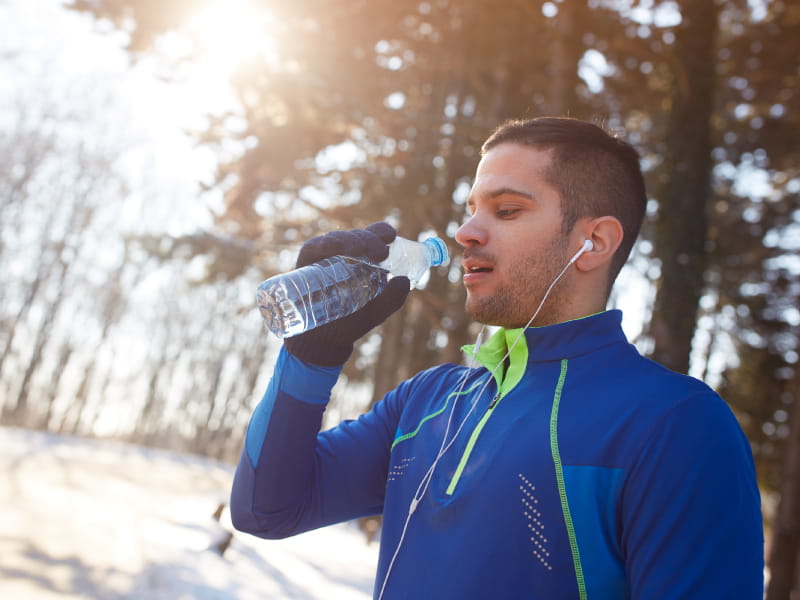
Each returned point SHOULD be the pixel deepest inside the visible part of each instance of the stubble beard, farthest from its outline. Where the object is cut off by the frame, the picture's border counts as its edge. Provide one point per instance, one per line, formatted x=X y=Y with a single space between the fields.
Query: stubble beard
x=516 y=299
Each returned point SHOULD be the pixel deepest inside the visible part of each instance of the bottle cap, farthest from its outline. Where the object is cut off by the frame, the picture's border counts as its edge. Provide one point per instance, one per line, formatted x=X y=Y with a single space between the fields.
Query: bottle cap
x=438 y=250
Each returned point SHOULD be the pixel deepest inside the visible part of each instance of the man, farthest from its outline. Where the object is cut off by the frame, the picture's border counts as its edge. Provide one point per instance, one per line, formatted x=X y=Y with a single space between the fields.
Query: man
x=563 y=465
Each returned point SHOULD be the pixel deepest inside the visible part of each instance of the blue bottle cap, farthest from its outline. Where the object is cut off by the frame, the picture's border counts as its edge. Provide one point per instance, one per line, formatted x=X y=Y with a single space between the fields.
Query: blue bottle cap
x=438 y=250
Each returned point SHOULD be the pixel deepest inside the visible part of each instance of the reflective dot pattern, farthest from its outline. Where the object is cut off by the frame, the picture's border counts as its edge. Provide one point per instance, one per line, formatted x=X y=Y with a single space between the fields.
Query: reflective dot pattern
x=535 y=525
x=398 y=470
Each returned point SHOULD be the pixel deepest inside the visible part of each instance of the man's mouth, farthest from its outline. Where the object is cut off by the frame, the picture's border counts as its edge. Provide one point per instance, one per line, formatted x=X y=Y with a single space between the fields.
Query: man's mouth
x=473 y=266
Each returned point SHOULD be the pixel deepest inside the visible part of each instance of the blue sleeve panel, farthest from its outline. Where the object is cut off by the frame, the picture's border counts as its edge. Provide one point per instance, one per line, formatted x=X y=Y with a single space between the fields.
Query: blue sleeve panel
x=594 y=494
x=291 y=478
x=300 y=380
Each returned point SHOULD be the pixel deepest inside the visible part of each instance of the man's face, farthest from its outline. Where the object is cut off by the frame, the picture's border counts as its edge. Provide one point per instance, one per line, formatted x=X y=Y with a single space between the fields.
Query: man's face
x=513 y=242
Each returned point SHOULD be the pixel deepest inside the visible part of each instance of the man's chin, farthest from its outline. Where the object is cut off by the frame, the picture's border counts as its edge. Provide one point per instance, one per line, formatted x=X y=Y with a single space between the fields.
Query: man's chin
x=490 y=315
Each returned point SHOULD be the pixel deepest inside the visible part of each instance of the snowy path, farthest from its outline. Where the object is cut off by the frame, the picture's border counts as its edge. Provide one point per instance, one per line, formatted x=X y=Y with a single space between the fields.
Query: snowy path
x=94 y=519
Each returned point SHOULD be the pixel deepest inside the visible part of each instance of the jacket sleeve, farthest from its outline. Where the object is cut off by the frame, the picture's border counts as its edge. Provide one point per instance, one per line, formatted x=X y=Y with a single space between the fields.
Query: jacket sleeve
x=292 y=478
x=691 y=517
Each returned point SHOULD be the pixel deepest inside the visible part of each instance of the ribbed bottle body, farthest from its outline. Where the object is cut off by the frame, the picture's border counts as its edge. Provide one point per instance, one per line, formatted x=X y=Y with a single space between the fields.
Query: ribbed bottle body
x=319 y=293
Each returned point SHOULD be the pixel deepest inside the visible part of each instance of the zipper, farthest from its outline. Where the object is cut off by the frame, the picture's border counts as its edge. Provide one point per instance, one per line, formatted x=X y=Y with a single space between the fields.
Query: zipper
x=473 y=438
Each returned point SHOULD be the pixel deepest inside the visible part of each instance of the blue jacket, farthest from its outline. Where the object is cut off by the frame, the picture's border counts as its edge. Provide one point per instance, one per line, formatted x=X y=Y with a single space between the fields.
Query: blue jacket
x=573 y=468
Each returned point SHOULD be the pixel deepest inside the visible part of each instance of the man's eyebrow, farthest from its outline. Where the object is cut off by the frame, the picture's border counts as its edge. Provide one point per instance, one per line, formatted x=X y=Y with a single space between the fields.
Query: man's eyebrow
x=491 y=195
x=509 y=190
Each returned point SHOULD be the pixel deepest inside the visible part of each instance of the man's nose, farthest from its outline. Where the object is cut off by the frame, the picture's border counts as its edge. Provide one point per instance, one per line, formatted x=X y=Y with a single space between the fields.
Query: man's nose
x=472 y=232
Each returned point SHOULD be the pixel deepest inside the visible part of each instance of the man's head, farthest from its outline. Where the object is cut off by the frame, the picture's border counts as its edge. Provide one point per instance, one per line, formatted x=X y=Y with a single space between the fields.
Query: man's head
x=542 y=188
x=595 y=173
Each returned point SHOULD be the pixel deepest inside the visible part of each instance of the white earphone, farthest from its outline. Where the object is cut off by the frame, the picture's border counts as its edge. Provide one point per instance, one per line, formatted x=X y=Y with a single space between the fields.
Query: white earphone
x=588 y=245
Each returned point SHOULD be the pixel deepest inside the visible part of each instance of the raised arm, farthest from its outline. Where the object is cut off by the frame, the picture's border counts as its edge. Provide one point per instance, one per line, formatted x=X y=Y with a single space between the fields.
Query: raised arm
x=291 y=478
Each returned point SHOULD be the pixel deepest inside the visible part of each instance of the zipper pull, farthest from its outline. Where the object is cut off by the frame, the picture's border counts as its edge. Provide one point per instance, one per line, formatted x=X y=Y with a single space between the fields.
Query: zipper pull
x=494 y=401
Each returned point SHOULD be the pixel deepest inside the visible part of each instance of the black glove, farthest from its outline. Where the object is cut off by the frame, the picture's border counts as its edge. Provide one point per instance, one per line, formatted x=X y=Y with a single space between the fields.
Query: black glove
x=330 y=345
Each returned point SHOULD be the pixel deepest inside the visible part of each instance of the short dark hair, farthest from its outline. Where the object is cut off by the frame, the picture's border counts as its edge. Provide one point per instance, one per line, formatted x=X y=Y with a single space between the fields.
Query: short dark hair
x=596 y=173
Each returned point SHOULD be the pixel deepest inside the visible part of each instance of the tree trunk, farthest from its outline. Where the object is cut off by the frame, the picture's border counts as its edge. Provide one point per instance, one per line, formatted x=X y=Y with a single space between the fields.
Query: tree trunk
x=565 y=55
x=785 y=550
x=43 y=273
x=20 y=412
x=685 y=190
x=51 y=396
x=390 y=355
x=79 y=217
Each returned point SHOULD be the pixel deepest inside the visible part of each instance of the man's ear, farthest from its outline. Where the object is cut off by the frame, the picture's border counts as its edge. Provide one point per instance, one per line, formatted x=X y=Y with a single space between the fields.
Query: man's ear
x=606 y=235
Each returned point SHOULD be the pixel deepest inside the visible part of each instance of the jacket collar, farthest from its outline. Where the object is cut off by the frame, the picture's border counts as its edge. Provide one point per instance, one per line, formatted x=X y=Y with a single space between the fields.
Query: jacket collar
x=541 y=344
x=574 y=338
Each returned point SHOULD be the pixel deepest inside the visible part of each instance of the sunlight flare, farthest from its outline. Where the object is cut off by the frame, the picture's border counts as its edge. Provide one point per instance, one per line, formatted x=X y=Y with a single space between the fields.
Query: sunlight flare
x=228 y=33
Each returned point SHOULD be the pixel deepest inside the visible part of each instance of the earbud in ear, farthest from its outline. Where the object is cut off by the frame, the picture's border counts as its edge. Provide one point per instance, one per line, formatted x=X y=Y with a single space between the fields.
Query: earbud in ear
x=587 y=246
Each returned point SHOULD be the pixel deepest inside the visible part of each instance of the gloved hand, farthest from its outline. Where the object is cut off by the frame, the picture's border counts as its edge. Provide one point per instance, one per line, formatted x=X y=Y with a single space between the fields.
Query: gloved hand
x=330 y=345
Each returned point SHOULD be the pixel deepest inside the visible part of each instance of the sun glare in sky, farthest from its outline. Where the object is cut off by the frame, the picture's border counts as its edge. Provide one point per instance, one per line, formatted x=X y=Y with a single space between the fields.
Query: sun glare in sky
x=213 y=44
x=229 y=32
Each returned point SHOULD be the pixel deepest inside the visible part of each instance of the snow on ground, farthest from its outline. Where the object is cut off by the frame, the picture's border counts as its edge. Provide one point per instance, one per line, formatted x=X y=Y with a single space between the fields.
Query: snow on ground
x=97 y=519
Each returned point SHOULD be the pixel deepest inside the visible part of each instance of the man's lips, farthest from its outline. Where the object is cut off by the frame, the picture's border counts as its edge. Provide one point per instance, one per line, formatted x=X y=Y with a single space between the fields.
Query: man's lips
x=476 y=267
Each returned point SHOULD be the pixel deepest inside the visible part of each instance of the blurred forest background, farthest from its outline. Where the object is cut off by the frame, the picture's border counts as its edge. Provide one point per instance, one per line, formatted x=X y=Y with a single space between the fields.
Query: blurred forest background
x=129 y=266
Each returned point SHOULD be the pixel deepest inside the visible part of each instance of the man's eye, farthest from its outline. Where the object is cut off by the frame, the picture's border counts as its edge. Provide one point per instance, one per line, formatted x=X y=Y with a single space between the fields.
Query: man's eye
x=506 y=213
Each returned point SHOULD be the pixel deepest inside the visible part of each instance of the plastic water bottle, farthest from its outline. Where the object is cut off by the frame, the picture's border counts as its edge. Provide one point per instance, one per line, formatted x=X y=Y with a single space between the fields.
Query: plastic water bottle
x=335 y=287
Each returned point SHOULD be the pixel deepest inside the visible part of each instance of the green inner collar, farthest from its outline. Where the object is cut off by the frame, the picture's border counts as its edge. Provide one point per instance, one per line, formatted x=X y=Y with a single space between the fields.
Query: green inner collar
x=492 y=353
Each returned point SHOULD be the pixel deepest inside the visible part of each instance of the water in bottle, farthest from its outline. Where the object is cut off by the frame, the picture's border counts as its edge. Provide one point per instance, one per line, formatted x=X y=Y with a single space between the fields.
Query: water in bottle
x=310 y=296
